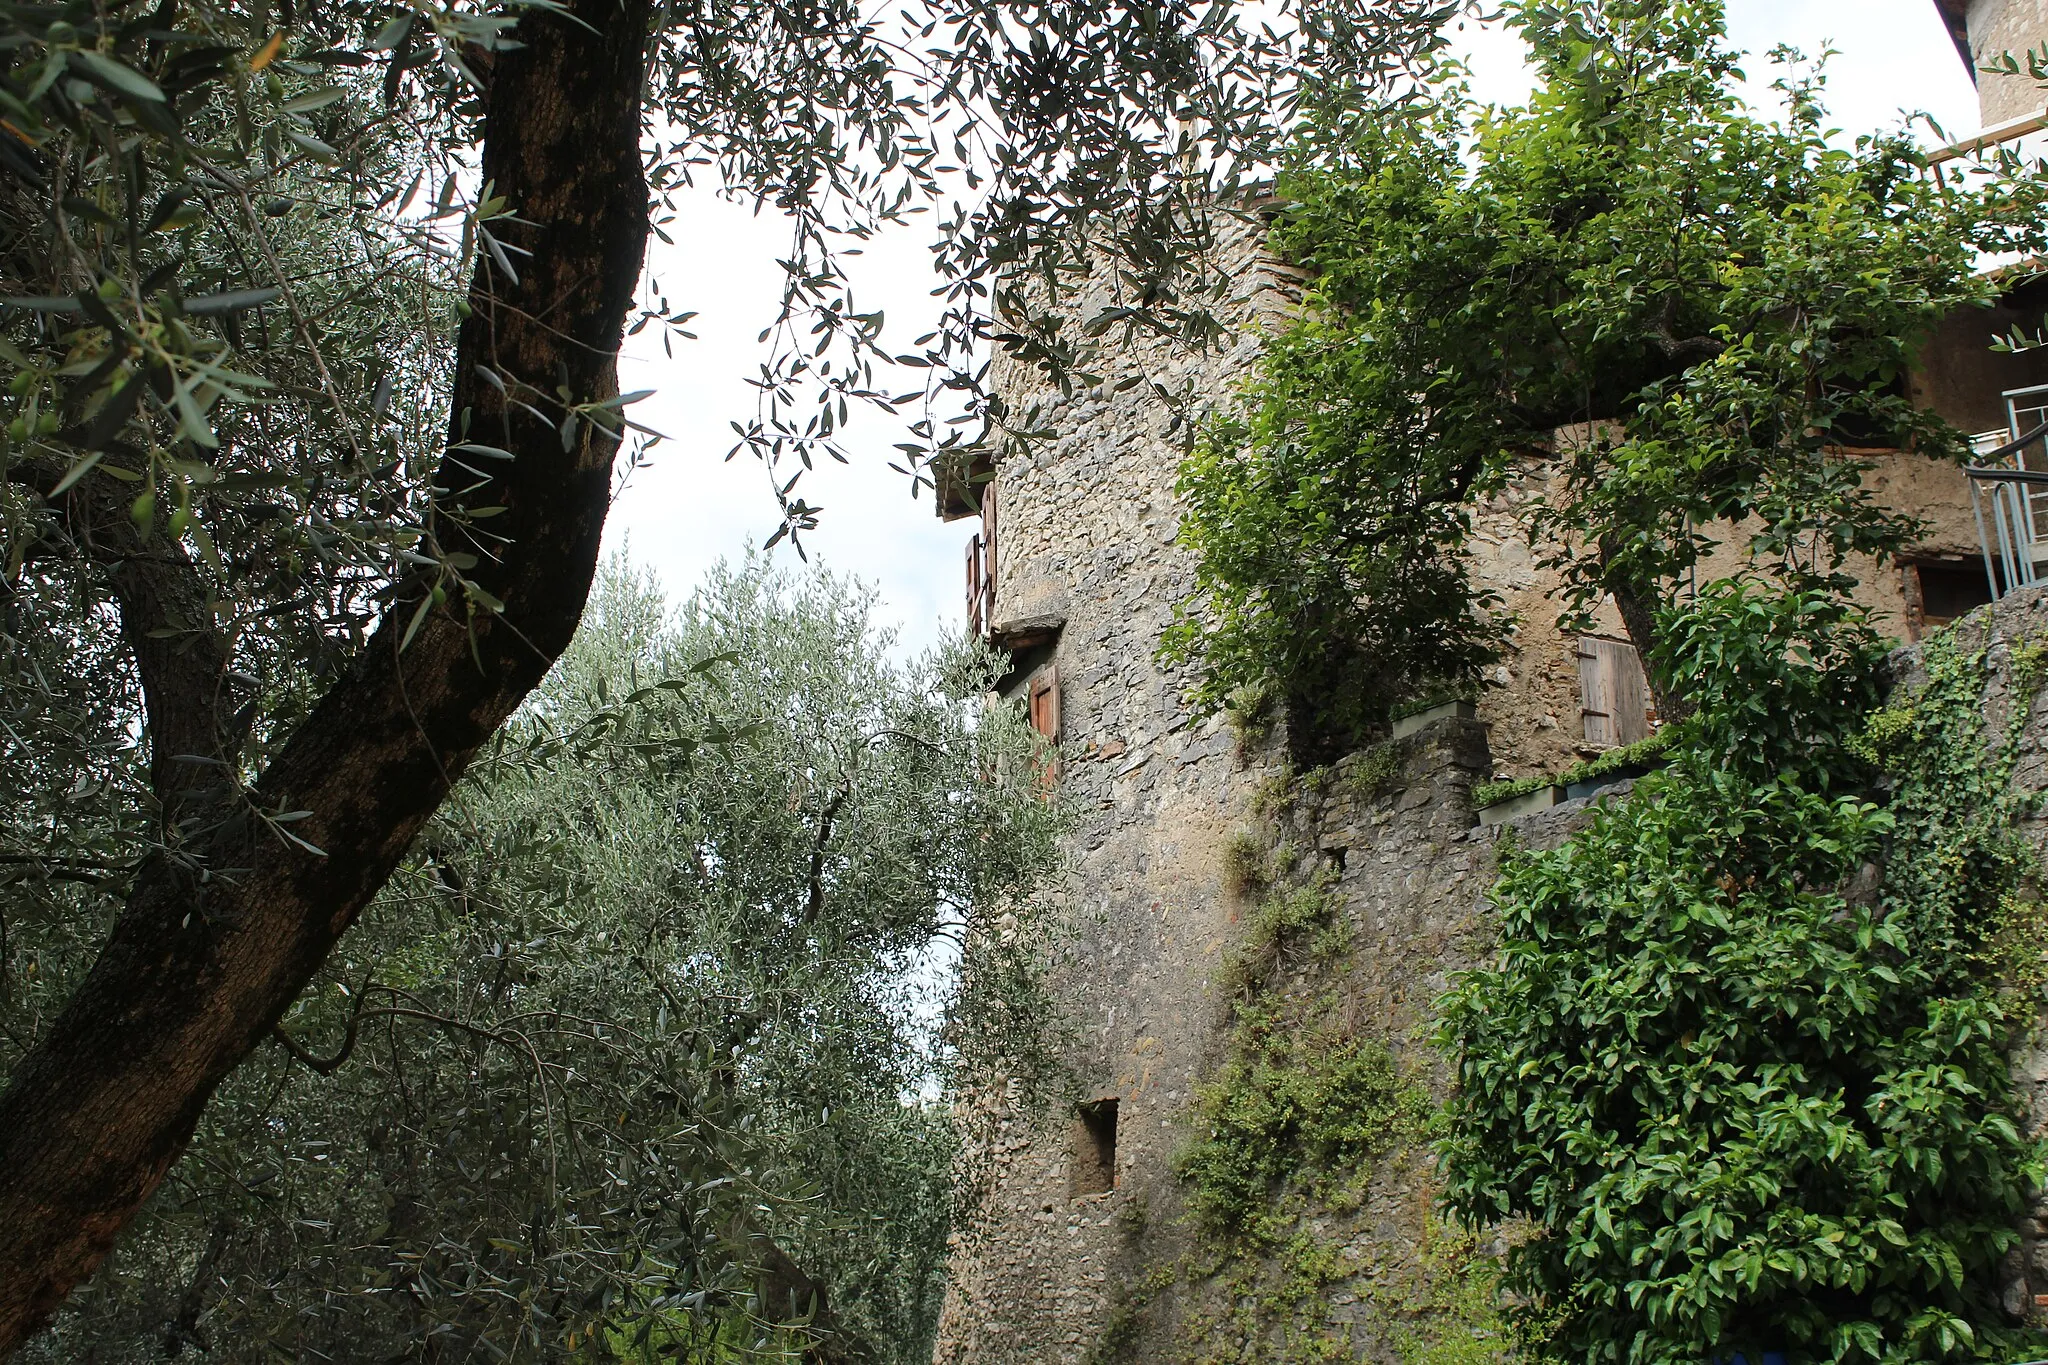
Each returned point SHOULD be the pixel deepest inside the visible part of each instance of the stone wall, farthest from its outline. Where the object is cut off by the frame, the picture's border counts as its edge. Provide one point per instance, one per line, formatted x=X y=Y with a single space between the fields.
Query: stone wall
x=1087 y=548
x=1087 y=538
x=1121 y=1276
x=1997 y=27
x=1533 y=704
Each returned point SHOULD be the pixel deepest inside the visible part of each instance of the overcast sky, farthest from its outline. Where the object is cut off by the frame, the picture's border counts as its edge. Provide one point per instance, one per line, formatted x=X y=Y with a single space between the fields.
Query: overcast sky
x=690 y=507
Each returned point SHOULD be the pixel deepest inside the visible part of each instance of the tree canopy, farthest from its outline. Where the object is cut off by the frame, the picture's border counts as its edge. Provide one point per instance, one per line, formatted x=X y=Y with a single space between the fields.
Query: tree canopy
x=651 y=1040
x=314 y=418
x=1726 y=303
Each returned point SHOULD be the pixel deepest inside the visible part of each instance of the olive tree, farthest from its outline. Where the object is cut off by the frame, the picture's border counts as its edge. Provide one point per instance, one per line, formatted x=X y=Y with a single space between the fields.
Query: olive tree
x=650 y=1041
x=311 y=334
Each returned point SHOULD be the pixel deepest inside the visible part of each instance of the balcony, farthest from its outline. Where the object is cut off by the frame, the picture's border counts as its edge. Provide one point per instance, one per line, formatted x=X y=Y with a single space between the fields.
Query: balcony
x=2009 y=493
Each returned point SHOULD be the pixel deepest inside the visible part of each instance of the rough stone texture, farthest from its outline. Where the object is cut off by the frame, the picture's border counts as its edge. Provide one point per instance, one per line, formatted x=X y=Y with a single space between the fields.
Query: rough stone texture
x=1998 y=27
x=1533 y=706
x=1087 y=535
x=1043 y=1278
x=1087 y=538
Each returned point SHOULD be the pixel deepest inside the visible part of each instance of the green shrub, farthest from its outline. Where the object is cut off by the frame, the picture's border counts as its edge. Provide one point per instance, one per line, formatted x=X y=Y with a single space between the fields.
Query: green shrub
x=1286 y=915
x=1641 y=752
x=1749 y=1100
x=1373 y=774
x=1723 y=302
x=1244 y=865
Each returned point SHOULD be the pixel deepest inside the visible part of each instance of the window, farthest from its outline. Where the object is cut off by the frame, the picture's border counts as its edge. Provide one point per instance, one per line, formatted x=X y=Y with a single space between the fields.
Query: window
x=1091 y=1165
x=1938 y=591
x=1614 y=696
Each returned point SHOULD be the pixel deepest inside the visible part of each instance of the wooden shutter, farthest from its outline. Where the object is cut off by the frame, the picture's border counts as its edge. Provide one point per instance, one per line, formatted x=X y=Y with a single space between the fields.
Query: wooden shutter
x=974 y=586
x=1614 y=696
x=988 y=548
x=981 y=568
x=1045 y=718
x=1045 y=702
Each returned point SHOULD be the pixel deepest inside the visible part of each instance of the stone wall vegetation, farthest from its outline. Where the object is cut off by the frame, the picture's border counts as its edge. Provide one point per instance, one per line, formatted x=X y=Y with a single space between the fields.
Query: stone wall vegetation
x=1305 y=1192
x=1614 y=761
x=1274 y=1238
x=1737 y=1061
x=1252 y=933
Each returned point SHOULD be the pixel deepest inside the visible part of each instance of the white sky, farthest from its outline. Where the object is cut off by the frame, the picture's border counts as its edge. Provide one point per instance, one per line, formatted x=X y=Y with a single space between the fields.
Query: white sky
x=690 y=508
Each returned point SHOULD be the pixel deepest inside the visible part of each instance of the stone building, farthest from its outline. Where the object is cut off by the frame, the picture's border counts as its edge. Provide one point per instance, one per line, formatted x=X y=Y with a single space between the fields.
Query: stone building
x=1984 y=32
x=1084 y=1255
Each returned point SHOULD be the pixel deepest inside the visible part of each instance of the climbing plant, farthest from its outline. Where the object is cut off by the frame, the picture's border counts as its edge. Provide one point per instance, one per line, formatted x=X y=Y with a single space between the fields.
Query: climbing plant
x=1738 y=1062
x=1305 y=1115
x=1724 y=305
x=1292 y=1125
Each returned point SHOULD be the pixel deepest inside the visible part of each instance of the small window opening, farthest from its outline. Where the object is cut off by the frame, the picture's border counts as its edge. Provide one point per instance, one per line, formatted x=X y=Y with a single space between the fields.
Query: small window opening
x=1092 y=1164
x=1938 y=592
x=1614 y=694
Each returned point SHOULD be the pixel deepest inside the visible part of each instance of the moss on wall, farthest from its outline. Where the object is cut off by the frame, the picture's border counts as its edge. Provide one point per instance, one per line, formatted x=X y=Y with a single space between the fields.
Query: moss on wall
x=1310 y=1147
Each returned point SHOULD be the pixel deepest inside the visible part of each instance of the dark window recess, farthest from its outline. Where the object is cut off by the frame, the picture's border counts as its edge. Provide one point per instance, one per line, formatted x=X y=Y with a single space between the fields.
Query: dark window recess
x=1092 y=1165
x=1614 y=696
x=1946 y=590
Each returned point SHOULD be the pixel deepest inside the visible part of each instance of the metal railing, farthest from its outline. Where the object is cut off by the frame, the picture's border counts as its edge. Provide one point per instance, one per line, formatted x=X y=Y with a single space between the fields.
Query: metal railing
x=2015 y=534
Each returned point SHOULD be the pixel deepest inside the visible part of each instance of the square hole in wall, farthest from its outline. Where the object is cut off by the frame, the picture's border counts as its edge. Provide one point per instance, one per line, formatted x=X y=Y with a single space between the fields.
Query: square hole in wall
x=1946 y=590
x=1091 y=1162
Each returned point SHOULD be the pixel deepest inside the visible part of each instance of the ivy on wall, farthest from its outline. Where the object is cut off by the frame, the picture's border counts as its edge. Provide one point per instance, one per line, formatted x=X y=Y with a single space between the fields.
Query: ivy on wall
x=1739 y=1062
x=1303 y=1118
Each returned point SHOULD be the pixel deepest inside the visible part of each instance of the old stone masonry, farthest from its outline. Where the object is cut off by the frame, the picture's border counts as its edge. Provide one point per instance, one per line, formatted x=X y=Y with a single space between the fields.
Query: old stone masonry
x=1228 y=913
x=1241 y=931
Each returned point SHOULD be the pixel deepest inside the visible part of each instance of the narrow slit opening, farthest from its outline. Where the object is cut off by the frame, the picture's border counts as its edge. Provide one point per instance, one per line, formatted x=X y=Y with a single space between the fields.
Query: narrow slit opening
x=1092 y=1164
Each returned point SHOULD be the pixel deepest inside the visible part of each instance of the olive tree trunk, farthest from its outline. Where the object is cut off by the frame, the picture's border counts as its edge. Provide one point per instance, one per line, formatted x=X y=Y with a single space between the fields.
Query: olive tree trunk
x=197 y=971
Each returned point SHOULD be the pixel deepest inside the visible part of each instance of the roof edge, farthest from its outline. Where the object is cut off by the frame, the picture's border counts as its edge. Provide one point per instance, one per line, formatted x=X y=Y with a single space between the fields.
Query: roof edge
x=1955 y=17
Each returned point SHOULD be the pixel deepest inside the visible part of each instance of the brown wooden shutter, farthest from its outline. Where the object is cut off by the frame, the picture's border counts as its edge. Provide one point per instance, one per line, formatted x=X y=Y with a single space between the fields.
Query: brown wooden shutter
x=1614 y=696
x=988 y=548
x=1045 y=702
x=974 y=621
x=1045 y=718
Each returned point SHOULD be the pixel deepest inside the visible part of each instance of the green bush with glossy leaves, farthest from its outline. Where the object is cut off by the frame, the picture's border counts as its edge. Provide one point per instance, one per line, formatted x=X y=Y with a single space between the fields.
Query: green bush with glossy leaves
x=1736 y=1061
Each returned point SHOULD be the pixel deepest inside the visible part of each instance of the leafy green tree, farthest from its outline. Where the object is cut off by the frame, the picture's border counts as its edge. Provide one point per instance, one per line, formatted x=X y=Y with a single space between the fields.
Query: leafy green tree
x=313 y=418
x=1327 y=518
x=650 y=1042
x=1732 y=302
